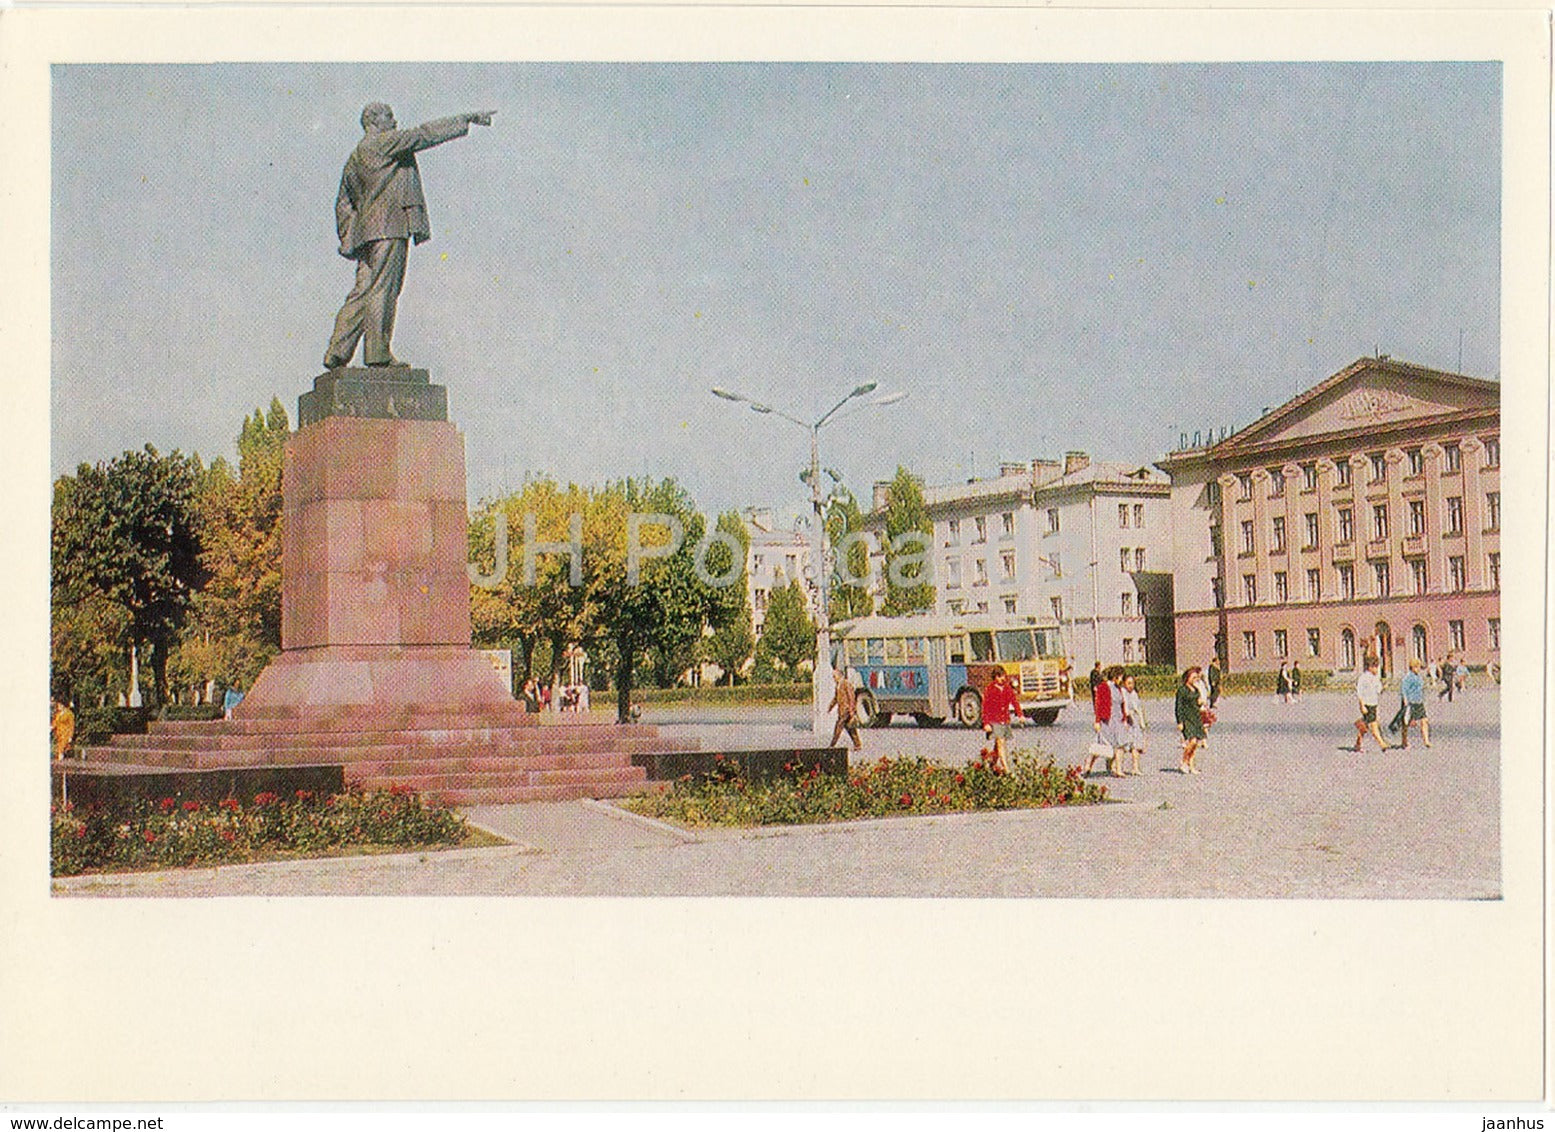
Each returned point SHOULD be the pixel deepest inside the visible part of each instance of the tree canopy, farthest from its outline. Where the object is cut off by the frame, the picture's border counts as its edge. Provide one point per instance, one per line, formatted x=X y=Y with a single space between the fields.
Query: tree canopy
x=909 y=536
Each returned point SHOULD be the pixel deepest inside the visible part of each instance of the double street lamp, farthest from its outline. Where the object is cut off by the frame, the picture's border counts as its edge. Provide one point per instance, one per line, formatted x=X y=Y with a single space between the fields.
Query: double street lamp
x=822 y=684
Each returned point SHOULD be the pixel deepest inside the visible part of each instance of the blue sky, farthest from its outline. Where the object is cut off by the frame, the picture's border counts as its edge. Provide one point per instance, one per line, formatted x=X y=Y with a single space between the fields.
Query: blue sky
x=1043 y=256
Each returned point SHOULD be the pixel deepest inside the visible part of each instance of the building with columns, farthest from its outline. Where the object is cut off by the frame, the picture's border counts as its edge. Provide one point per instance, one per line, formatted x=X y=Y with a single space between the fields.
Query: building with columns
x=1363 y=517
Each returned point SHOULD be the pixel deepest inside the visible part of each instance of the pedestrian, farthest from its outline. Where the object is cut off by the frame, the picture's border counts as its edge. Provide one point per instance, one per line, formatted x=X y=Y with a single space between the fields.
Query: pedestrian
x=1206 y=716
x=1001 y=704
x=1368 y=690
x=1119 y=728
x=531 y=696
x=62 y=726
x=1136 y=727
x=1295 y=680
x=846 y=704
x=1460 y=674
x=1448 y=669
x=1213 y=675
x=583 y=697
x=1282 y=683
x=230 y=699
x=1101 y=723
x=1189 y=710
x=1095 y=678
x=1412 y=689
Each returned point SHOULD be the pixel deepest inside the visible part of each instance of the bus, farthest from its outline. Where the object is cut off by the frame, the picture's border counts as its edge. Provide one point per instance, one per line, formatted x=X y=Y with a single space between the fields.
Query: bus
x=936 y=667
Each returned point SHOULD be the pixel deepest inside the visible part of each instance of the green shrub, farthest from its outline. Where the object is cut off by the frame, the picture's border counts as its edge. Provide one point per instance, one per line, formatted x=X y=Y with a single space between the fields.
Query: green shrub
x=739 y=694
x=887 y=787
x=177 y=832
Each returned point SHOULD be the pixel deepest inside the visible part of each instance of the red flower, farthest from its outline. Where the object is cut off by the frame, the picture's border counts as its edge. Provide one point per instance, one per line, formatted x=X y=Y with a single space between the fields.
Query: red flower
x=266 y=798
x=150 y=837
x=960 y=780
x=191 y=807
x=80 y=832
x=228 y=835
x=304 y=795
x=230 y=804
x=167 y=805
x=906 y=799
x=398 y=791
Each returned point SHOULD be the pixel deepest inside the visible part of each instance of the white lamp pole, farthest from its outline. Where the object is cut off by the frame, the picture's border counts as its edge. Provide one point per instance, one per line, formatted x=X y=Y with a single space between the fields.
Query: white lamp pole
x=822 y=685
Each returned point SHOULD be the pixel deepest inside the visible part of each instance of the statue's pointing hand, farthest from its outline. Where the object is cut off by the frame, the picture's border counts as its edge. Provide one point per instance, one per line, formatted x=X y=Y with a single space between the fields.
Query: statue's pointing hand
x=480 y=117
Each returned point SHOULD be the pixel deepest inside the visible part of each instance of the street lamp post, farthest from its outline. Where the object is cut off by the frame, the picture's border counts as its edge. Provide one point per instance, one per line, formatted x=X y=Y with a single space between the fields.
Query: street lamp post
x=822 y=682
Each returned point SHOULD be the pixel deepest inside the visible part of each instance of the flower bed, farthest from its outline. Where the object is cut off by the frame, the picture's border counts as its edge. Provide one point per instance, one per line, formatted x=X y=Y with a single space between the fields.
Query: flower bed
x=885 y=788
x=177 y=833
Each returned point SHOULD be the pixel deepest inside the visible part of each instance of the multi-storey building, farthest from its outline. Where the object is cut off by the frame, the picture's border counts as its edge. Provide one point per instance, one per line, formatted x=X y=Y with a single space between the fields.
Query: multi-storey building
x=1083 y=542
x=1361 y=518
x=775 y=558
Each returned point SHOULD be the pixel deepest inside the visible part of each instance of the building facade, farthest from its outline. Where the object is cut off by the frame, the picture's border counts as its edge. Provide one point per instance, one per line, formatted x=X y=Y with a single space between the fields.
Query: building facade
x=1363 y=517
x=776 y=557
x=1083 y=542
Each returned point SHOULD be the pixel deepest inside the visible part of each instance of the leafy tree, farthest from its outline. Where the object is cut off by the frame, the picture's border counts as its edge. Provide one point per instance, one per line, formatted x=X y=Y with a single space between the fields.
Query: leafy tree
x=844 y=518
x=730 y=644
x=125 y=535
x=788 y=634
x=909 y=535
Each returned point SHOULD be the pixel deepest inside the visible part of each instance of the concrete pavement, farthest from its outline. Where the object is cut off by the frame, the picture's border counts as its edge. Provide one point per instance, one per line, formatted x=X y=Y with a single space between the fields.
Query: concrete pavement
x=1279 y=812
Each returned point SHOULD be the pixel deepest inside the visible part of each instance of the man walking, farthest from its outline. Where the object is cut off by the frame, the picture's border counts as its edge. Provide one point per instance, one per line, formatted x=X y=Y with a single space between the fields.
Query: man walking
x=378 y=211
x=846 y=704
x=1412 y=688
x=1213 y=673
x=1368 y=691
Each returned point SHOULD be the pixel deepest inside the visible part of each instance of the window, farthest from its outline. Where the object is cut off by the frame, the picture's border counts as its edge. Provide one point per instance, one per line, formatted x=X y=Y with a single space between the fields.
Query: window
x=1419 y=645
x=1218 y=591
x=1494 y=625
x=1007 y=525
x=1493 y=510
x=793 y=566
x=1381 y=582
x=757 y=563
x=1455 y=636
x=1416 y=461
x=952 y=572
x=1455 y=514
x=1139 y=516
x=759 y=600
x=1128 y=651
x=1379 y=521
x=957 y=606
x=1454 y=456
x=1278 y=533
x=1309 y=477
x=1281 y=645
x=1492 y=452
x=1052 y=520
x=1124 y=559
x=1139 y=559
x=1123 y=515
x=1058 y=607
x=1346 y=581
x=1346 y=525
x=1343 y=468
x=1007 y=565
x=1379 y=467
x=1347 y=648
x=1276 y=483
x=1493 y=562
x=980 y=524
x=1281 y=586
x=1244 y=482
x=955 y=533
x=1249 y=589
x=1126 y=604
x=1314 y=585
x=1249 y=645
x=1247 y=536
x=1457 y=575
x=1009 y=605
x=1311 y=520
x=1314 y=642
x=1417 y=575
x=1212 y=492
x=982 y=607
x=1216 y=543
x=979 y=572
x=1416 y=518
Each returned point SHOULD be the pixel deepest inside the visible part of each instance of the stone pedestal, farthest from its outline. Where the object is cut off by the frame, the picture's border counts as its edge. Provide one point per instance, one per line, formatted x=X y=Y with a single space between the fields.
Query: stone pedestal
x=375 y=596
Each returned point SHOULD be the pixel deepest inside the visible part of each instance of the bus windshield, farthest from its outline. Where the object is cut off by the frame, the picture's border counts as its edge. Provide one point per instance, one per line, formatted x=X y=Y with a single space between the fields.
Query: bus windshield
x=1016 y=644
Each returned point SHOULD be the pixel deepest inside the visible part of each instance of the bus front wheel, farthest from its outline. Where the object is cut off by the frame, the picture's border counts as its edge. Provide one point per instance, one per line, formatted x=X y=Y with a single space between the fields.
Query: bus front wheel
x=865 y=708
x=969 y=708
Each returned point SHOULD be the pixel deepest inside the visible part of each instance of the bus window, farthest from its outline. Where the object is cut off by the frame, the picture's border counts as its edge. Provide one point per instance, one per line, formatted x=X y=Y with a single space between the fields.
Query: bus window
x=876 y=650
x=915 y=650
x=956 y=649
x=982 y=646
x=1048 y=643
x=1015 y=644
x=894 y=650
x=856 y=652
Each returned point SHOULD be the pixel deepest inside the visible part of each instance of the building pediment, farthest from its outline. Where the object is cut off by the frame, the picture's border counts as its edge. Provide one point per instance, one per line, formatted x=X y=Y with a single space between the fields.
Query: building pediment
x=1370 y=394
